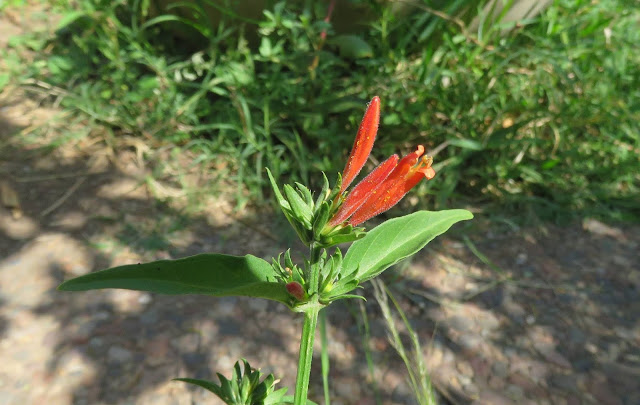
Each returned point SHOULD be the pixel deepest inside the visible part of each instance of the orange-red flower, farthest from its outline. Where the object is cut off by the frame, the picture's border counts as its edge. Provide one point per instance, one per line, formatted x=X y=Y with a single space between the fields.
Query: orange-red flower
x=363 y=143
x=385 y=186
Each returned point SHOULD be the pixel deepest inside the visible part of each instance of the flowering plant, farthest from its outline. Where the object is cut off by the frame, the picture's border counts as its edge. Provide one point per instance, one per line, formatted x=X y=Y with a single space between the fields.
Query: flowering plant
x=335 y=216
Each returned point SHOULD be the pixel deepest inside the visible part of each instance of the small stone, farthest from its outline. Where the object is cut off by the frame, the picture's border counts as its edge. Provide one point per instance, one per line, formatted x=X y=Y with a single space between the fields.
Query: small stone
x=186 y=343
x=96 y=345
x=521 y=259
x=469 y=388
x=480 y=367
x=465 y=368
x=527 y=385
x=117 y=354
x=258 y=306
x=500 y=369
x=554 y=357
x=613 y=351
x=577 y=336
x=461 y=323
x=470 y=342
x=434 y=356
x=101 y=316
x=598 y=228
x=573 y=401
x=558 y=399
x=603 y=393
x=226 y=306
x=625 y=378
x=455 y=383
x=402 y=394
x=149 y=317
x=496 y=383
x=583 y=364
x=145 y=298
x=196 y=360
x=348 y=390
x=493 y=398
x=564 y=382
x=514 y=392
x=591 y=348
x=157 y=350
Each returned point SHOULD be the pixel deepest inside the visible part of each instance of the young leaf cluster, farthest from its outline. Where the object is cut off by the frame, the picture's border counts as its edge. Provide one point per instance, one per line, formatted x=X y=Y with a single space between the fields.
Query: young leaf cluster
x=290 y=272
x=333 y=285
x=309 y=218
x=244 y=387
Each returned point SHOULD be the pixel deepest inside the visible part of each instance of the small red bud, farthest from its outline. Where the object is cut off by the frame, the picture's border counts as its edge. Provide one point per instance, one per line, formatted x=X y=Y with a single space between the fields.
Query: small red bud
x=294 y=288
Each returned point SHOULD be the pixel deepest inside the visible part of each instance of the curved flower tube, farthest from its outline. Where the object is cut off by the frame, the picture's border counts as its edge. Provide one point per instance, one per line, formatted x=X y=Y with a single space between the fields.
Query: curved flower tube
x=406 y=175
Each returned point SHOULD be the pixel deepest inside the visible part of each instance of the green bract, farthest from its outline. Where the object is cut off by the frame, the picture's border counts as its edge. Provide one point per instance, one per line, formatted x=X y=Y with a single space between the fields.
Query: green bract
x=244 y=387
x=309 y=218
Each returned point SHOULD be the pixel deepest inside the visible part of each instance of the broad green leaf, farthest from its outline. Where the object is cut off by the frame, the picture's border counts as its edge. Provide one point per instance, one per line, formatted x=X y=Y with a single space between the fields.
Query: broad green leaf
x=207 y=274
x=397 y=239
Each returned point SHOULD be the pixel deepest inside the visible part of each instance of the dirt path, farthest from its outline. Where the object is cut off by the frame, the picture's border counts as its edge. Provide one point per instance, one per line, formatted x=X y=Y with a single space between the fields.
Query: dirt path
x=549 y=317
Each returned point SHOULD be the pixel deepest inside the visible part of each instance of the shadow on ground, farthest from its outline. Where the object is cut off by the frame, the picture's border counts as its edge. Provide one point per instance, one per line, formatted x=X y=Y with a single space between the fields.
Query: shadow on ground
x=546 y=317
x=82 y=207
x=77 y=211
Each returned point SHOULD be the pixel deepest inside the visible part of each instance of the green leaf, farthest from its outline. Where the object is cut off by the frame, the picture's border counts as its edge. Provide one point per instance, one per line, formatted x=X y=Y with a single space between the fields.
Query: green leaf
x=466 y=144
x=352 y=47
x=302 y=212
x=207 y=274
x=397 y=239
x=4 y=80
x=207 y=385
x=69 y=19
x=288 y=399
x=284 y=204
x=277 y=397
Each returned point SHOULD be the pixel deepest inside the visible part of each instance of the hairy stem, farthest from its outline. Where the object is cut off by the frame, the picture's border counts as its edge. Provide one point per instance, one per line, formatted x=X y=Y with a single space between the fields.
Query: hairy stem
x=306 y=355
x=308 y=329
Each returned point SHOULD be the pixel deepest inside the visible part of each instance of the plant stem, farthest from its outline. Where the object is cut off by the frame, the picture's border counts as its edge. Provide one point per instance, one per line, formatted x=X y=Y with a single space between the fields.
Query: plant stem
x=306 y=355
x=308 y=328
x=325 y=356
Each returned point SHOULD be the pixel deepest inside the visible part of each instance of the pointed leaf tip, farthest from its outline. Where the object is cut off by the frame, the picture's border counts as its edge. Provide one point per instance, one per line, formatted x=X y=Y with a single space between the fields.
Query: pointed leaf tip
x=206 y=274
x=397 y=239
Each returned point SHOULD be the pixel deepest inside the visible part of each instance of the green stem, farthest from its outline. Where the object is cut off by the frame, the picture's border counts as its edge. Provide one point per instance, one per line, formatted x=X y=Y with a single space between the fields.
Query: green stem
x=314 y=277
x=325 y=356
x=308 y=329
x=306 y=354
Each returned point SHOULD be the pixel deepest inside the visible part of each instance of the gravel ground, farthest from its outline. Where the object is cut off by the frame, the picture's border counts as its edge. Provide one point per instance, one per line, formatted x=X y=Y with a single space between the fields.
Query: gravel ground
x=550 y=317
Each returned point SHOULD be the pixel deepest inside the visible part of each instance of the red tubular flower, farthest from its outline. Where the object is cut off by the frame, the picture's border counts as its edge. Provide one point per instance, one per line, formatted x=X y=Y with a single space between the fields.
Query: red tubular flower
x=363 y=143
x=362 y=191
x=409 y=171
x=387 y=184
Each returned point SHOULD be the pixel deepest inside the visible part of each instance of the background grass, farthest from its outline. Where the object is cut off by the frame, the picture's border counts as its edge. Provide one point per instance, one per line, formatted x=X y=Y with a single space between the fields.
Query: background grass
x=534 y=119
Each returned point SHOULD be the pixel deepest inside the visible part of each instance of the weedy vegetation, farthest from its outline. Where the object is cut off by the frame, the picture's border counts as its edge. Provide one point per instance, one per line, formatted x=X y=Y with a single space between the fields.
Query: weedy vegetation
x=534 y=118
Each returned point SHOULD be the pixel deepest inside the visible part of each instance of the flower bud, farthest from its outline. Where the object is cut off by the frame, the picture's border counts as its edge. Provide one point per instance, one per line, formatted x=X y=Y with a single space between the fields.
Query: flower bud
x=294 y=288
